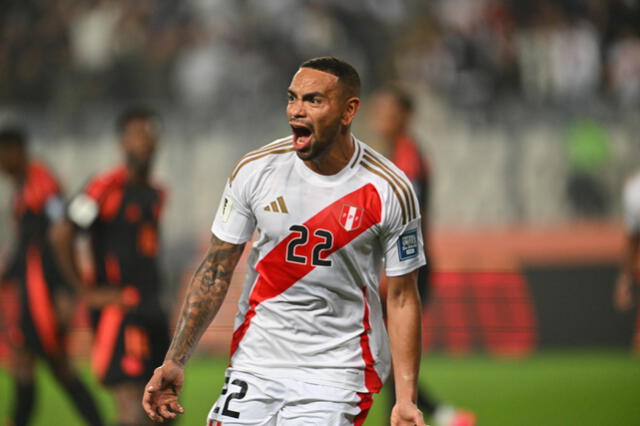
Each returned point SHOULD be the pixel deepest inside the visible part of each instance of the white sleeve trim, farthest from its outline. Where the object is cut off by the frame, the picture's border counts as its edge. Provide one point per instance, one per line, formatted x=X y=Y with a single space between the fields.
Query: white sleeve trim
x=394 y=272
x=228 y=238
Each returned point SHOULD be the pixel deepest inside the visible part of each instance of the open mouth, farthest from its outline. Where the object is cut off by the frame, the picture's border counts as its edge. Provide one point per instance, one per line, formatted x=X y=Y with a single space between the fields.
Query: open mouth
x=301 y=135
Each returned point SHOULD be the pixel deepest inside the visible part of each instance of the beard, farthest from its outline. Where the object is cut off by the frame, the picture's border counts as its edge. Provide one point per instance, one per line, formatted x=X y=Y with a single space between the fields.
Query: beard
x=322 y=143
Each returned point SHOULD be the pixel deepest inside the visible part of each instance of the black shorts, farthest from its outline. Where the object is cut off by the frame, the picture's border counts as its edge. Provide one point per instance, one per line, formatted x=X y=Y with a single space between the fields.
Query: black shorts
x=128 y=346
x=39 y=333
x=39 y=327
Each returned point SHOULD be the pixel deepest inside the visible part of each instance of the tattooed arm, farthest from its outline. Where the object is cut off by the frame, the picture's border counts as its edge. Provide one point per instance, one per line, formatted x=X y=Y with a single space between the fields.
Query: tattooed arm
x=206 y=292
x=204 y=297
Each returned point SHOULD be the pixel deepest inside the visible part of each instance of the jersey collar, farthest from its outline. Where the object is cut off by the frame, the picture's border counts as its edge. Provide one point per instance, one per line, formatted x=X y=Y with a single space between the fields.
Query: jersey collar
x=330 y=180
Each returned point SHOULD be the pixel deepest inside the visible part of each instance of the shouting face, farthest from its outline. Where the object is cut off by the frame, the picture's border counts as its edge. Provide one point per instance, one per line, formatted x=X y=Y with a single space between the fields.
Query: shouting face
x=316 y=111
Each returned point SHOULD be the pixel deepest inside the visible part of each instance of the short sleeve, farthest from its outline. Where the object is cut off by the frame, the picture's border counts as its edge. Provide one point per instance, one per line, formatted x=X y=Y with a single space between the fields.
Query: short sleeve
x=631 y=206
x=100 y=199
x=401 y=241
x=234 y=221
x=83 y=210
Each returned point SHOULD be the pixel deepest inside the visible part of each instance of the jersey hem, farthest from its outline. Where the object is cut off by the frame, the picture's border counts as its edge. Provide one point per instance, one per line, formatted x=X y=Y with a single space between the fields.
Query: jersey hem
x=275 y=374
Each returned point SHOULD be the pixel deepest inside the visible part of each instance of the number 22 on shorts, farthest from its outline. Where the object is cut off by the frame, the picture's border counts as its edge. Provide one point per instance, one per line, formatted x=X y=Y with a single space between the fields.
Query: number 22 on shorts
x=241 y=393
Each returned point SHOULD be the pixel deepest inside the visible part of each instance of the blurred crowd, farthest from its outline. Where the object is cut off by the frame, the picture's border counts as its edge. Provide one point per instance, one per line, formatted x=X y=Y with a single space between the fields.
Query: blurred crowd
x=538 y=89
x=196 y=54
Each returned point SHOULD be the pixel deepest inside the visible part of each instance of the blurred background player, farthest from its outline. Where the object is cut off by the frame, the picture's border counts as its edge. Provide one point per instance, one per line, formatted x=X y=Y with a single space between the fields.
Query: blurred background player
x=623 y=297
x=391 y=116
x=120 y=209
x=46 y=299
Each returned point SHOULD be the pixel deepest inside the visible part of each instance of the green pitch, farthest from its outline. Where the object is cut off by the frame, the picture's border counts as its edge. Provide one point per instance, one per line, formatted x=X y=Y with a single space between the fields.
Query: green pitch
x=547 y=389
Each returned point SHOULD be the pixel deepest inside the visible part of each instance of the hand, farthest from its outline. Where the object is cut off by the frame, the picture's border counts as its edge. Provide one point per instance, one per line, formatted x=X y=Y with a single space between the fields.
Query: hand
x=160 y=397
x=99 y=297
x=406 y=414
x=622 y=295
x=65 y=308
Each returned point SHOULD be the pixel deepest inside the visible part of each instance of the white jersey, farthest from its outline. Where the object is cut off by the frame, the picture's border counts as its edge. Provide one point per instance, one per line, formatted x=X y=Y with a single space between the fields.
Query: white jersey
x=310 y=308
x=631 y=204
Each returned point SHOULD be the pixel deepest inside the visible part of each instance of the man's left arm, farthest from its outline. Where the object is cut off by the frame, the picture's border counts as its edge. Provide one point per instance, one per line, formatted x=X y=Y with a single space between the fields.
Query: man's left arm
x=404 y=327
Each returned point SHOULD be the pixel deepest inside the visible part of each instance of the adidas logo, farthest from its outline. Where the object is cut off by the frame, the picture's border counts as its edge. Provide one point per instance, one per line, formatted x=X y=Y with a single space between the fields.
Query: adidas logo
x=277 y=206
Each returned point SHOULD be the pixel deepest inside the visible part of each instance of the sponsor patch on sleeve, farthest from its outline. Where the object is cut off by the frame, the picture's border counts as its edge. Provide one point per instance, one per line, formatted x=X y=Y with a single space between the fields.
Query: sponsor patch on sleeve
x=83 y=210
x=225 y=208
x=408 y=245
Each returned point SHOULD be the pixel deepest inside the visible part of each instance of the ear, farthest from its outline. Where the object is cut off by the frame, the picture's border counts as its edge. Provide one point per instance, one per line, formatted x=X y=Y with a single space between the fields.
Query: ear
x=350 y=111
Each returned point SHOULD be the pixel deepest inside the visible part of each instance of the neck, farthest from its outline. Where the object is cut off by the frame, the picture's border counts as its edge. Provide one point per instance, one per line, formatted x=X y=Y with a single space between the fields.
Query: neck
x=138 y=174
x=20 y=173
x=395 y=137
x=335 y=158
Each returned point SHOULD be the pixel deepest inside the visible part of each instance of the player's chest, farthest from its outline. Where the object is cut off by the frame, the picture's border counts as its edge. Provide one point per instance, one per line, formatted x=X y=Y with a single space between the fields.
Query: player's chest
x=320 y=218
x=131 y=207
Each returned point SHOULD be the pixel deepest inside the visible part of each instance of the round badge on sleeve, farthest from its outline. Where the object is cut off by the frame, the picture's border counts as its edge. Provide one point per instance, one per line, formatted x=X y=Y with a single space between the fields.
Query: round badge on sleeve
x=83 y=210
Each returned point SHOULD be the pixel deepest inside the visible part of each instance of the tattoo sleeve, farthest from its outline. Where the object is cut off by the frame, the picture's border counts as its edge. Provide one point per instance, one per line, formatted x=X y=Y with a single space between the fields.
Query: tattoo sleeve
x=204 y=297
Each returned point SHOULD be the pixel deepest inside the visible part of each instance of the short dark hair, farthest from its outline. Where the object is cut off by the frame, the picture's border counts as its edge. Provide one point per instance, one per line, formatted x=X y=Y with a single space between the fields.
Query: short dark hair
x=400 y=95
x=346 y=73
x=12 y=135
x=132 y=113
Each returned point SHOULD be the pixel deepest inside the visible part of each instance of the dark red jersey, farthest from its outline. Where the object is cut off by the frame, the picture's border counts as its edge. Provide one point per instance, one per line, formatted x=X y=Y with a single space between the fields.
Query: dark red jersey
x=407 y=156
x=122 y=219
x=123 y=222
x=37 y=204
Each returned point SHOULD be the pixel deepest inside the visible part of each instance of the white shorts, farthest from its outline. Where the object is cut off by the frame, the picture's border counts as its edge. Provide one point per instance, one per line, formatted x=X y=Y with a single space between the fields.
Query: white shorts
x=247 y=399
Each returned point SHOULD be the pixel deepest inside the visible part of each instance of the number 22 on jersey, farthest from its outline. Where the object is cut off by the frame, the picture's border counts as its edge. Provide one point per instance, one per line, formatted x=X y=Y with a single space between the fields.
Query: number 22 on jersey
x=302 y=249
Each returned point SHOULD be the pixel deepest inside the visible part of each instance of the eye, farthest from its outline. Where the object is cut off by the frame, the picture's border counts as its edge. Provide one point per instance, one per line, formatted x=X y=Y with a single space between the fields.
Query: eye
x=290 y=97
x=315 y=100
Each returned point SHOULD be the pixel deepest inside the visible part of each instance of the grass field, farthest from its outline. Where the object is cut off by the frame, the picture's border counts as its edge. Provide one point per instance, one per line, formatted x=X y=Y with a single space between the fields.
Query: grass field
x=578 y=388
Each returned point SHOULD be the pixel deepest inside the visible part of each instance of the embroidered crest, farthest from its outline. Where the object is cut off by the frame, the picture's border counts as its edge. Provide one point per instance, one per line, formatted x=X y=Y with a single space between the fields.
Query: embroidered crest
x=351 y=217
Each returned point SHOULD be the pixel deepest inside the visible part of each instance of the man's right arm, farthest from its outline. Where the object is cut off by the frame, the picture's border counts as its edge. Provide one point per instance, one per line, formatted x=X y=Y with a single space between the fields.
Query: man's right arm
x=204 y=297
x=62 y=236
x=623 y=296
x=622 y=292
x=63 y=239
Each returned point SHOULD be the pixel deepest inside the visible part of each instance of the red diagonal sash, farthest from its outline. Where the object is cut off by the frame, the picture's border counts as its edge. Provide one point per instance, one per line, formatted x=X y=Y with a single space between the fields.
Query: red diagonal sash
x=275 y=274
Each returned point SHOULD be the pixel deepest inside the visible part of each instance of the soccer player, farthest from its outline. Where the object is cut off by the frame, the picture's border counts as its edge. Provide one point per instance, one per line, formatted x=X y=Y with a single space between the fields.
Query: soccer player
x=46 y=299
x=120 y=210
x=309 y=345
x=391 y=119
x=623 y=291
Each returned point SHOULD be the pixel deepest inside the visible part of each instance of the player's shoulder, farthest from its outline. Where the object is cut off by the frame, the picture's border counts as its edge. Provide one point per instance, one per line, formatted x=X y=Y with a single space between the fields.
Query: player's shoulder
x=263 y=157
x=633 y=182
x=39 y=186
x=390 y=180
x=382 y=169
x=104 y=181
x=40 y=175
x=408 y=157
